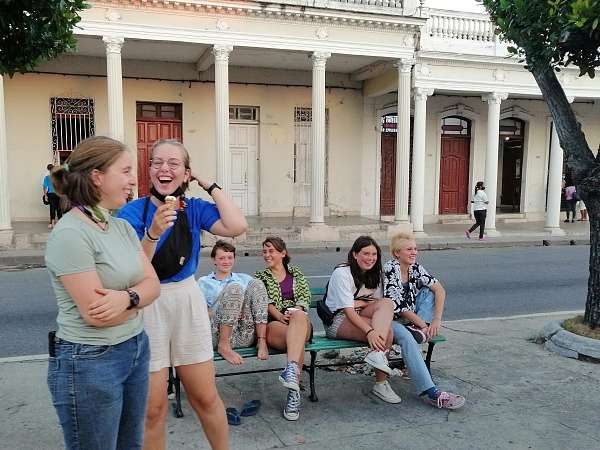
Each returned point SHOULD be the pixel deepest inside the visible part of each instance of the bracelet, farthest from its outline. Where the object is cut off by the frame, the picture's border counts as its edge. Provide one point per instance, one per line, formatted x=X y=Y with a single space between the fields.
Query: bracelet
x=150 y=238
x=367 y=333
x=211 y=187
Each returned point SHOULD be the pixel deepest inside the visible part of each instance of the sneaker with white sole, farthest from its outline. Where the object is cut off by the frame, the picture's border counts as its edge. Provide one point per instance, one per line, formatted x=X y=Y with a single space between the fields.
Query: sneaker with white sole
x=291 y=411
x=385 y=392
x=378 y=360
x=447 y=400
x=289 y=376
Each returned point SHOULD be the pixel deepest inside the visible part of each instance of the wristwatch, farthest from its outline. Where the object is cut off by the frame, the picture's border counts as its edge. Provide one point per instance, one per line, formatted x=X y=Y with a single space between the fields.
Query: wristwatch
x=134 y=298
x=211 y=187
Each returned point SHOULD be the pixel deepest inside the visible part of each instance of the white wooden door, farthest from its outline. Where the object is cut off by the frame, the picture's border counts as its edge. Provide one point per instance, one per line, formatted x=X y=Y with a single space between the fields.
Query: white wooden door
x=243 y=145
x=302 y=164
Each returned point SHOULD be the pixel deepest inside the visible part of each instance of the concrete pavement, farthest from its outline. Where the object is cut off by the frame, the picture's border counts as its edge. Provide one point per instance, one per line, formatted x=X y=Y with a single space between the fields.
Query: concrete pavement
x=519 y=396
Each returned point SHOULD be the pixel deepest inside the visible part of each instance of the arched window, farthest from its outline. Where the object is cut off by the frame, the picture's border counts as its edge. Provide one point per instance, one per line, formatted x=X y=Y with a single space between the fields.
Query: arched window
x=456 y=126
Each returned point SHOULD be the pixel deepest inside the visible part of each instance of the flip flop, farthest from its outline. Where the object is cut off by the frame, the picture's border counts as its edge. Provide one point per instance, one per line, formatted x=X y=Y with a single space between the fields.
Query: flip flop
x=233 y=416
x=250 y=408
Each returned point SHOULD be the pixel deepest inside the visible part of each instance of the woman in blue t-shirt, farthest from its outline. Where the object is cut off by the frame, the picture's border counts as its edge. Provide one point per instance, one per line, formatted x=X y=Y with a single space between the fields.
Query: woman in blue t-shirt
x=178 y=324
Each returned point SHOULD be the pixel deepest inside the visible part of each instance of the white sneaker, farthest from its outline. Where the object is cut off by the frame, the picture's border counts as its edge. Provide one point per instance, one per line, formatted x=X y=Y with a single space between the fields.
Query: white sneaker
x=378 y=361
x=385 y=392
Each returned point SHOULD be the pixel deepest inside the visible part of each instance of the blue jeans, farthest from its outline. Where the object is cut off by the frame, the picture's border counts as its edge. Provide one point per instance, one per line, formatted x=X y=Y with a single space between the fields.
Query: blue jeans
x=411 y=351
x=100 y=393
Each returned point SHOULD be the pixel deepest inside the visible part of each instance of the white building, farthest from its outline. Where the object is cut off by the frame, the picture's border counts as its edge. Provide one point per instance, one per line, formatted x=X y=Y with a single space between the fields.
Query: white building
x=384 y=109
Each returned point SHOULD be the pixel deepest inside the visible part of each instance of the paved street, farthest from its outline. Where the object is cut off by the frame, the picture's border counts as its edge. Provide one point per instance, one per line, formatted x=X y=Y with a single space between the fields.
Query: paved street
x=484 y=282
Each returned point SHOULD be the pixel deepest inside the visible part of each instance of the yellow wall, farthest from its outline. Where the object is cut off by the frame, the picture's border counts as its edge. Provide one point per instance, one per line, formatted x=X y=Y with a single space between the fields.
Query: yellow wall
x=29 y=134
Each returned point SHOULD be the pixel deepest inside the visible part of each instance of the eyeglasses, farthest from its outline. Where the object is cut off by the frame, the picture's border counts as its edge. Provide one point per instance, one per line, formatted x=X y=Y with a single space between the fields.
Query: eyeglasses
x=173 y=164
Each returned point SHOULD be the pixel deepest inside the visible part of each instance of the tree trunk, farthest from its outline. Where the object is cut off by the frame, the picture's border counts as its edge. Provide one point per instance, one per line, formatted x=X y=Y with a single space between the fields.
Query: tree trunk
x=586 y=176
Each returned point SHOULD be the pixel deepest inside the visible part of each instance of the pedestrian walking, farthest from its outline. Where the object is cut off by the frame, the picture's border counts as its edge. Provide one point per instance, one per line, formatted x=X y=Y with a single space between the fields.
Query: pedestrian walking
x=479 y=203
x=582 y=210
x=98 y=358
x=169 y=225
x=52 y=198
x=571 y=198
x=418 y=307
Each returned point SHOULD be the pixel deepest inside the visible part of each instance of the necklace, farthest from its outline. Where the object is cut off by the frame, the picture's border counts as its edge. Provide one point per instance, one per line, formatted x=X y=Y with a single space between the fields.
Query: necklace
x=96 y=214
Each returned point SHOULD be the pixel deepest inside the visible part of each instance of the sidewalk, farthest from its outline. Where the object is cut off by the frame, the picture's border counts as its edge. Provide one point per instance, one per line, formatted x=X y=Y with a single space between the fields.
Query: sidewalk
x=28 y=239
x=519 y=396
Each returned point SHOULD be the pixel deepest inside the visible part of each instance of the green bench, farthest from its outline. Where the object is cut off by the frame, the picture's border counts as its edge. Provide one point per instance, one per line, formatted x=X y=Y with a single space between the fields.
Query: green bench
x=318 y=343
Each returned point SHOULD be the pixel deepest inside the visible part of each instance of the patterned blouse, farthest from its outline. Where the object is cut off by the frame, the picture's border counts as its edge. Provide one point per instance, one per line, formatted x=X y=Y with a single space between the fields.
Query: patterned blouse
x=404 y=299
x=301 y=289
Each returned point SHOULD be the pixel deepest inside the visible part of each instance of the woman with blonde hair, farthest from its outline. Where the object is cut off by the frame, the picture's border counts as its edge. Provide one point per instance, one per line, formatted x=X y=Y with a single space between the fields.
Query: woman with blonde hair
x=418 y=306
x=98 y=358
x=169 y=224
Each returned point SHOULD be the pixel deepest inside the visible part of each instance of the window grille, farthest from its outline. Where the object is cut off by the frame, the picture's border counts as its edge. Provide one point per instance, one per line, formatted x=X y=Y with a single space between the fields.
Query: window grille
x=304 y=114
x=245 y=113
x=72 y=122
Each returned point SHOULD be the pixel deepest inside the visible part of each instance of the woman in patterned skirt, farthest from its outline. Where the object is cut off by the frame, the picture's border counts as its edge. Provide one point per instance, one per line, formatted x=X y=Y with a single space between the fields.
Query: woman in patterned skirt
x=237 y=306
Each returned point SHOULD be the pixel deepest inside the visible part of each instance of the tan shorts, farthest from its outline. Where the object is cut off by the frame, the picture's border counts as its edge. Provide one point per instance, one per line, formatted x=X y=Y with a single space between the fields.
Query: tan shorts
x=178 y=326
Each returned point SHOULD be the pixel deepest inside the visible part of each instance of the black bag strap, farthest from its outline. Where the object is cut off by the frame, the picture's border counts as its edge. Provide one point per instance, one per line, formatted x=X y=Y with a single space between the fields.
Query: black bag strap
x=327 y=286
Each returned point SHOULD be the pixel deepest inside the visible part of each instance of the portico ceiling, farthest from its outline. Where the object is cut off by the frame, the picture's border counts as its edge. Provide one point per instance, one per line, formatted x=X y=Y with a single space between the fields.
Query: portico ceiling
x=180 y=52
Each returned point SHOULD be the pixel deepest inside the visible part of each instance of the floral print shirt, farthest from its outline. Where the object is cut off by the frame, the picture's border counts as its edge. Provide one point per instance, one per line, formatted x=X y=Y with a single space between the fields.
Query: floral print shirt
x=404 y=298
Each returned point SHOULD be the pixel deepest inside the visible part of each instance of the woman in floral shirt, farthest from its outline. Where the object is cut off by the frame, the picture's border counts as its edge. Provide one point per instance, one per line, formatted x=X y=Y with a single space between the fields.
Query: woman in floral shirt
x=289 y=326
x=418 y=306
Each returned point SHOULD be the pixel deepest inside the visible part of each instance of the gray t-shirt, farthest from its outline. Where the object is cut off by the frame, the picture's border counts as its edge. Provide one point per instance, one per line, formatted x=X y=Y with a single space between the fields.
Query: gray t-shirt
x=75 y=246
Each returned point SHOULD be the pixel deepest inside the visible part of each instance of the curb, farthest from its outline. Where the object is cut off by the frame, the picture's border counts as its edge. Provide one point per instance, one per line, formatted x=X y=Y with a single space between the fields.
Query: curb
x=36 y=257
x=569 y=345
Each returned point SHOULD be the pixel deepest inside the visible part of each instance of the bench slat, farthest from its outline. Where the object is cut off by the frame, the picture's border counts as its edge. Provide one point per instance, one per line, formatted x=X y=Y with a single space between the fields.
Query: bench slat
x=319 y=343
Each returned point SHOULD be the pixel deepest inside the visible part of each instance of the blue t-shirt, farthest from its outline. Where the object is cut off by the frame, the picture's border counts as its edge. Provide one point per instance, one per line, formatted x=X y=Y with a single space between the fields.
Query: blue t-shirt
x=48 y=184
x=201 y=216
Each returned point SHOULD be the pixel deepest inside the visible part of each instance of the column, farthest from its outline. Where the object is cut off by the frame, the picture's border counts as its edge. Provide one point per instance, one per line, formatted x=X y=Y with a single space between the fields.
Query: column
x=114 y=76
x=403 y=141
x=493 y=100
x=554 y=187
x=4 y=192
x=417 y=197
x=317 y=203
x=221 y=54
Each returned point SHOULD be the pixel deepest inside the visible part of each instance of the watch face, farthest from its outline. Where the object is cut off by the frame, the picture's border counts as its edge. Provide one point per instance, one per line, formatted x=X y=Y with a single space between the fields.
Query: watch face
x=134 y=298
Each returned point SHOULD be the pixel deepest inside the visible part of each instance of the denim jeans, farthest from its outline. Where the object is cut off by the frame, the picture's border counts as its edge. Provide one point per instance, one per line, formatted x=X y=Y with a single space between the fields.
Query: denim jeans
x=411 y=351
x=100 y=393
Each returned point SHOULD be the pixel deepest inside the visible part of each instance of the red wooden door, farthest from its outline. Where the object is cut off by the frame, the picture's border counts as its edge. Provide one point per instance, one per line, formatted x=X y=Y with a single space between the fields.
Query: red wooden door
x=387 y=187
x=454 y=175
x=148 y=132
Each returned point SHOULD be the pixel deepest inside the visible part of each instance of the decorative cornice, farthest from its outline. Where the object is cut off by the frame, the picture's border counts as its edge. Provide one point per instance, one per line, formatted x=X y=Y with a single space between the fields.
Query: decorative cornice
x=376 y=19
x=458 y=109
x=113 y=44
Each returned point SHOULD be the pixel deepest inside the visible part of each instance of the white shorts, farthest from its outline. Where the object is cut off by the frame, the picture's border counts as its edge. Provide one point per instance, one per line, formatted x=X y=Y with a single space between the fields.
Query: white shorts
x=178 y=326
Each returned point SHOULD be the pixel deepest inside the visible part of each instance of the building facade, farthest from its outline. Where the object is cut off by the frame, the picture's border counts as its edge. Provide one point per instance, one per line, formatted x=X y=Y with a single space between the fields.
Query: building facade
x=385 y=109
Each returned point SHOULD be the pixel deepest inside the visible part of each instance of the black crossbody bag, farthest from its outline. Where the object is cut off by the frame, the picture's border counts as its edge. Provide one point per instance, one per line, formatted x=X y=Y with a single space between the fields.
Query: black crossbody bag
x=323 y=311
x=175 y=252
